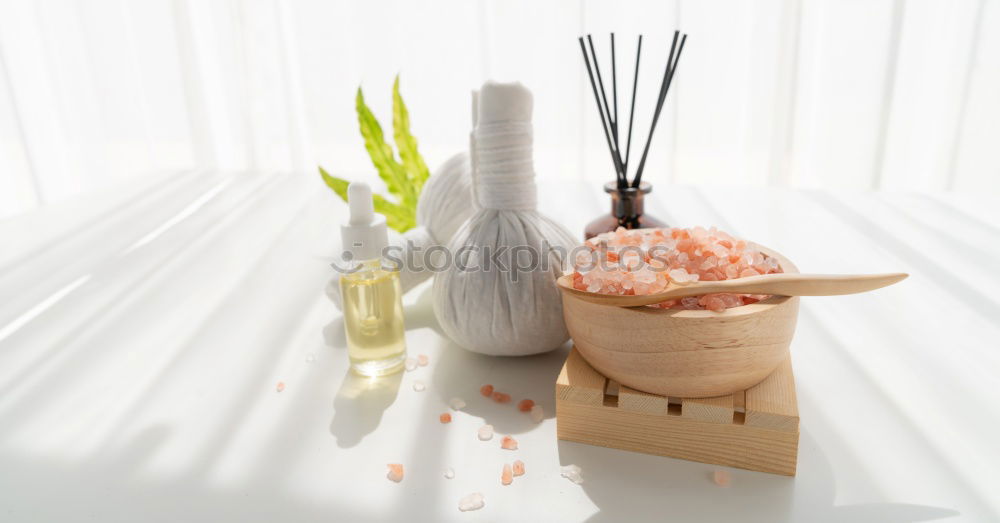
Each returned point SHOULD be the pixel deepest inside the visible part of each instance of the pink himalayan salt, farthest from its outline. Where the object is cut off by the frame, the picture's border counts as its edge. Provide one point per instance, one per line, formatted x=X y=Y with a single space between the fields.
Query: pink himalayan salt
x=525 y=405
x=721 y=478
x=485 y=433
x=507 y=476
x=518 y=468
x=508 y=443
x=280 y=386
x=670 y=255
x=486 y=390
x=423 y=360
x=501 y=397
x=445 y=418
x=395 y=472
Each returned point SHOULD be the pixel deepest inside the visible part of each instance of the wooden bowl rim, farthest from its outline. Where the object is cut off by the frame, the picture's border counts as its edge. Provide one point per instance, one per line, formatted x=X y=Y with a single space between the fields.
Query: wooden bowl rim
x=753 y=308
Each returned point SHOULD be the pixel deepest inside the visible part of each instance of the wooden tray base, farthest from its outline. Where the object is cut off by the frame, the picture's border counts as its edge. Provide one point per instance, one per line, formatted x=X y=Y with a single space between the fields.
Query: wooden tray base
x=757 y=429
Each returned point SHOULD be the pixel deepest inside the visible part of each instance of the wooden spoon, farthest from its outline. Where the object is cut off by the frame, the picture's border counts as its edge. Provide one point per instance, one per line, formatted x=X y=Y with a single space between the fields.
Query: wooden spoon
x=787 y=284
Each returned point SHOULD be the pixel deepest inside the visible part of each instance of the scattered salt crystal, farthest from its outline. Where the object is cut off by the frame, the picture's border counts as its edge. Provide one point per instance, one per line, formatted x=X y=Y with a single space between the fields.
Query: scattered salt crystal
x=486 y=390
x=486 y=432
x=508 y=443
x=501 y=397
x=722 y=478
x=445 y=418
x=410 y=364
x=449 y=473
x=280 y=386
x=456 y=403
x=518 y=468
x=507 y=476
x=525 y=405
x=419 y=386
x=423 y=360
x=572 y=473
x=474 y=501
x=395 y=472
x=537 y=414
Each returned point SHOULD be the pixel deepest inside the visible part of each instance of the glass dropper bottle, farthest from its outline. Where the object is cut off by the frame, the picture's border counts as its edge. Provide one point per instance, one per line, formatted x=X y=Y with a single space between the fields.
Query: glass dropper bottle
x=370 y=291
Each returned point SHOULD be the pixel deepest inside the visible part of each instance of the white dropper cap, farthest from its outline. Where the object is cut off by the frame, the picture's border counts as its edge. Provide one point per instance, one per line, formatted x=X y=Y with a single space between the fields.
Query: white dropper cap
x=364 y=235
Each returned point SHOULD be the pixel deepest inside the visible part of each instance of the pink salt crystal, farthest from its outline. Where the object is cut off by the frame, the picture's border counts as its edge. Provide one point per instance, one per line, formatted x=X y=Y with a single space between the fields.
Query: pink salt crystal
x=507 y=476
x=525 y=405
x=745 y=273
x=280 y=386
x=678 y=255
x=678 y=275
x=501 y=397
x=395 y=472
x=518 y=468
x=508 y=443
x=445 y=418
x=714 y=303
x=721 y=478
x=422 y=360
x=486 y=390
x=485 y=432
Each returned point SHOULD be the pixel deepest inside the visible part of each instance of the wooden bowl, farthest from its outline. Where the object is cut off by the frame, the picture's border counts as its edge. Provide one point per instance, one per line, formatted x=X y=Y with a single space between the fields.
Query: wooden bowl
x=685 y=353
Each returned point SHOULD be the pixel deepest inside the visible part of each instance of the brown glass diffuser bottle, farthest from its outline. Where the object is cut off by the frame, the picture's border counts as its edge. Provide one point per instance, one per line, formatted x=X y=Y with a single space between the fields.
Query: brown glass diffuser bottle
x=626 y=211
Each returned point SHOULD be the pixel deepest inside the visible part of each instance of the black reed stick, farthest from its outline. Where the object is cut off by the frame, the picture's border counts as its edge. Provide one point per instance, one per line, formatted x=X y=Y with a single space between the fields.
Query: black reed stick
x=631 y=114
x=600 y=83
x=619 y=173
x=614 y=93
x=664 y=87
x=610 y=119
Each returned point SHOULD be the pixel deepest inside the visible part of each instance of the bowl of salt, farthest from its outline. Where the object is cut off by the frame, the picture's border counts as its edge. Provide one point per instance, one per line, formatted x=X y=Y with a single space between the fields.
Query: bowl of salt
x=697 y=347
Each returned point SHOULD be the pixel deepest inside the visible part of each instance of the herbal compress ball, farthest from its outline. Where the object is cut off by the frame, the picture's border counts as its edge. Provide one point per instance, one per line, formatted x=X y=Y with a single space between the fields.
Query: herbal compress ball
x=513 y=309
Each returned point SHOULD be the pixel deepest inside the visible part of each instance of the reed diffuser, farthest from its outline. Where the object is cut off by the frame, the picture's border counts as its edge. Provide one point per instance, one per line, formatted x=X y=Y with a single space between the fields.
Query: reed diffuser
x=627 y=209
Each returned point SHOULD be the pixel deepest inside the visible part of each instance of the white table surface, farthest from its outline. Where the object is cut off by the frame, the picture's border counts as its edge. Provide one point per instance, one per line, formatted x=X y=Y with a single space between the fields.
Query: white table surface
x=140 y=348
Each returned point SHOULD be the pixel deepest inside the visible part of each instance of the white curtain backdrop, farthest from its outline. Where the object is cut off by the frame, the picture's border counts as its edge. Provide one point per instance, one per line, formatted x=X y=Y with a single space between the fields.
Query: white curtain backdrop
x=848 y=94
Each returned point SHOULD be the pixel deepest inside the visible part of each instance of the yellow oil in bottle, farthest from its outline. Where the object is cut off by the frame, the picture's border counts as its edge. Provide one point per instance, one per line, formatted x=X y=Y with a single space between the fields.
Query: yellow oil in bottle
x=373 y=319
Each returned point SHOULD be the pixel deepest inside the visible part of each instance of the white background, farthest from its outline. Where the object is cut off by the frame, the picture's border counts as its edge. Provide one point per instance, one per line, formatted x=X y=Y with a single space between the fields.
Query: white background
x=856 y=94
x=165 y=240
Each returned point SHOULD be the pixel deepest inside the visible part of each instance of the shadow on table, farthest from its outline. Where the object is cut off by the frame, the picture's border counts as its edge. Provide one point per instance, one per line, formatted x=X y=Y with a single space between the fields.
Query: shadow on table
x=656 y=488
x=459 y=373
x=117 y=486
x=359 y=406
x=361 y=400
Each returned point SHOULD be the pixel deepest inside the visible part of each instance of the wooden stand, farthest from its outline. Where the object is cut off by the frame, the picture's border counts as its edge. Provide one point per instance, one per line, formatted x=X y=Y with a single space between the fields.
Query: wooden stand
x=757 y=429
